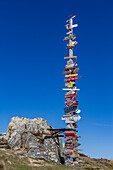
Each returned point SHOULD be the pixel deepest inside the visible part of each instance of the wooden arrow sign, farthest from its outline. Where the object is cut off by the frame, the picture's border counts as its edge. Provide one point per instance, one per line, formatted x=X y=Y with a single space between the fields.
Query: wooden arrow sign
x=70 y=57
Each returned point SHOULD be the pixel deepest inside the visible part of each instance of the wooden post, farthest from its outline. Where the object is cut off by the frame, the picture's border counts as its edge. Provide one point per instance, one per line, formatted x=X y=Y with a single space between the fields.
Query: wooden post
x=70 y=41
x=71 y=113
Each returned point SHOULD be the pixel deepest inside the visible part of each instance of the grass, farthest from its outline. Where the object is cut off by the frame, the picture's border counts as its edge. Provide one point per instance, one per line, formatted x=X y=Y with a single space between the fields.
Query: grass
x=11 y=161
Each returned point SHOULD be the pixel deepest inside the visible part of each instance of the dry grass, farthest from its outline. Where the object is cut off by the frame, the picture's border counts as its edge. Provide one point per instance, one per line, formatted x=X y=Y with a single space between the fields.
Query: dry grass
x=10 y=160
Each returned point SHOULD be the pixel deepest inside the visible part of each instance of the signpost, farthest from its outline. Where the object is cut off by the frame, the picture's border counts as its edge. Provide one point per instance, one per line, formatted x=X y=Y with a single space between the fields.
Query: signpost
x=71 y=110
x=71 y=138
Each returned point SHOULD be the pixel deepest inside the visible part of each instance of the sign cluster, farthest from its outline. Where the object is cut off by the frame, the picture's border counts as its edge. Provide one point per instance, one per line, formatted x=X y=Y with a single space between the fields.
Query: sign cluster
x=71 y=110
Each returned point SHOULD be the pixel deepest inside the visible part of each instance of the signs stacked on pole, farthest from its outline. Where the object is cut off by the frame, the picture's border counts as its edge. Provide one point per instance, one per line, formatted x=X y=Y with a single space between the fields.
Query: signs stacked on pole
x=72 y=110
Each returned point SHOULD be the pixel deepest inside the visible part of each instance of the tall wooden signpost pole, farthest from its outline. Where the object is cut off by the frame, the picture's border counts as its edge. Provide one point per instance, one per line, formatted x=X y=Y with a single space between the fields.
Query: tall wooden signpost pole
x=71 y=115
x=71 y=110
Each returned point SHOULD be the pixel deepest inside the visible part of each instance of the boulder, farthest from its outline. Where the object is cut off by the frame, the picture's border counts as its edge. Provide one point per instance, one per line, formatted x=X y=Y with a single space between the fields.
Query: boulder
x=20 y=137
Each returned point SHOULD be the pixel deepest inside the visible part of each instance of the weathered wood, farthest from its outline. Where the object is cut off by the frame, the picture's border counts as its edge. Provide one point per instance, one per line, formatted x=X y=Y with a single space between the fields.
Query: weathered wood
x=79 y=149
x=69 y=147
x=3 y=143
x=54 y=132
x=4 y=146
x=70 y=40
x=62 y=129
x=54 y=136
x=41 y=134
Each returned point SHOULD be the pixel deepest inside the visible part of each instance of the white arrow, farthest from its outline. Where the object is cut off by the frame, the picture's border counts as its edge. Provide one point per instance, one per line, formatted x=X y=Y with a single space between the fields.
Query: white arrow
x=76 y=25
x=69 y=32
x=71 y=89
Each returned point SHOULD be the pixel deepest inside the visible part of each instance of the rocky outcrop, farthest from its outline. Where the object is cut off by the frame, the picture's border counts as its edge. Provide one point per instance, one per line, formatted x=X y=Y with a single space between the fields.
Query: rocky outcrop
x=20 y=137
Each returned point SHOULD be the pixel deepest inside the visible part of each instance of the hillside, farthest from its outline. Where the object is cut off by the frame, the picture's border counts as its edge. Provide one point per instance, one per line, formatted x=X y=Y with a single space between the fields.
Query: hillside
x=11 y=160
x=20 y=148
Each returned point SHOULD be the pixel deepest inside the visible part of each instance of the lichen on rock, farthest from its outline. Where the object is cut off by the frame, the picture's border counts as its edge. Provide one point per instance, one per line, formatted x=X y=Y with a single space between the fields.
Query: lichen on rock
x=20 y=137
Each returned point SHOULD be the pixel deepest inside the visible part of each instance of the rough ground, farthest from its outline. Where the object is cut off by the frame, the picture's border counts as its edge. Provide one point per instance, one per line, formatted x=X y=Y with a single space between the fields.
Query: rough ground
x=11 y=160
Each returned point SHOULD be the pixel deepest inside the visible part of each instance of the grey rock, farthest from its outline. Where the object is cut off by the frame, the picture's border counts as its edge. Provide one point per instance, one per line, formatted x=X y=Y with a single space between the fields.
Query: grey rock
x=20 y=137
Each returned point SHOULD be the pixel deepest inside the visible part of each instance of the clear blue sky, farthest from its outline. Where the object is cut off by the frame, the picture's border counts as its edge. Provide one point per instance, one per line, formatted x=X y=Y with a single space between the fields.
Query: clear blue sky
x=31 y=65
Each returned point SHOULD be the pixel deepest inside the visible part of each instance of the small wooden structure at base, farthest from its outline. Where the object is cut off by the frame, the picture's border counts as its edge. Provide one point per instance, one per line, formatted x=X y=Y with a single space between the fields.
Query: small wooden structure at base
x=54 y=132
